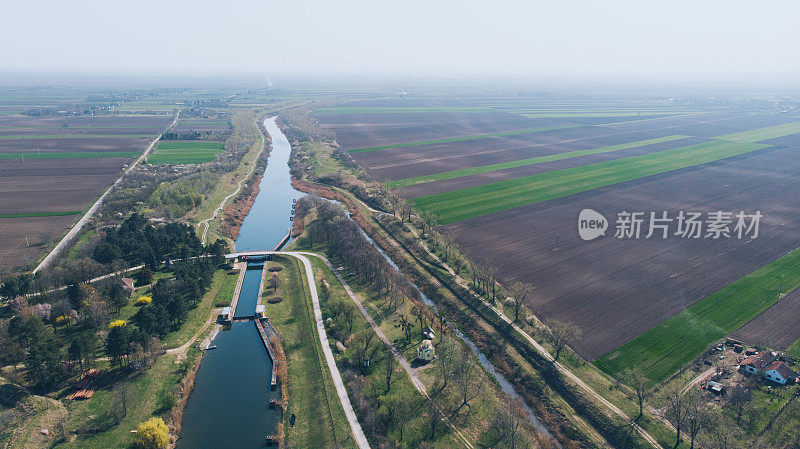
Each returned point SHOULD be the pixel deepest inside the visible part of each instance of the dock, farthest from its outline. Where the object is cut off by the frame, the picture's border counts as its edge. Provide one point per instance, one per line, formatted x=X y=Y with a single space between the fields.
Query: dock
x=284 y=240
x=242 y=267
x=271 y=352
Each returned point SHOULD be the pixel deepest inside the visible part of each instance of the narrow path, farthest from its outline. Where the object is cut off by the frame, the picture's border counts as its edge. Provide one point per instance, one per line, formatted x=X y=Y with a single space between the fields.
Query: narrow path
x=205 y=223
x=700 y=377
x=412 y=375
x=75 y=230
x=358 y=434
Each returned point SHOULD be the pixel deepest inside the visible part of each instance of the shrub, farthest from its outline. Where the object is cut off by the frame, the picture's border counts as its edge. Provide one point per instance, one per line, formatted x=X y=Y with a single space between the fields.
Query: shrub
x=152 y=434
x=117 y=323
x=144 y=300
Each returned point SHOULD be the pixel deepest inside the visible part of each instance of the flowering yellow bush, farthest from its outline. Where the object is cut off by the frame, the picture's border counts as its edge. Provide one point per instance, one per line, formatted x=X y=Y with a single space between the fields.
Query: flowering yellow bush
x=144 y=300
x=117 y=323
x=63 y=319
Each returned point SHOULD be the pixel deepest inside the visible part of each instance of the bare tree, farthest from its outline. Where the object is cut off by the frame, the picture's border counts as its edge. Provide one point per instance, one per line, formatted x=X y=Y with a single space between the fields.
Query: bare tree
x=363 y=348
x=520 y=291
x=446 y=363
x=739 y=400
x=675 y=410
x=561 y=334
x=468 y=381
x=388 y=368
x=508 y=426
x=638 y=383
x=696 y=414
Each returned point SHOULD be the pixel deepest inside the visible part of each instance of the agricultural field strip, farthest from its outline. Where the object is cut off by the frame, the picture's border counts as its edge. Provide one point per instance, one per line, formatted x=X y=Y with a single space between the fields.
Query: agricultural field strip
x=595 y=114
x=71 y=155
x=41 y=214
x=664 y=348
x=757 y=135
x=399 y=109
x=185 y=152
x=73 y=136
x=529 y=161
x=481 y=200
x=461 y=139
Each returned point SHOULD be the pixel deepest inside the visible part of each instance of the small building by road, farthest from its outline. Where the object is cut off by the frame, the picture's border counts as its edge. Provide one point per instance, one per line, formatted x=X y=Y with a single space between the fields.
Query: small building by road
x=425 y=351
x=779 y=372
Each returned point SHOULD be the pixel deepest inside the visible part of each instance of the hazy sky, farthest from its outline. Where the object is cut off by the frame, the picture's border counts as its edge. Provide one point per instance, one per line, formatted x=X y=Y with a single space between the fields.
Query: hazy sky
x=402 y=37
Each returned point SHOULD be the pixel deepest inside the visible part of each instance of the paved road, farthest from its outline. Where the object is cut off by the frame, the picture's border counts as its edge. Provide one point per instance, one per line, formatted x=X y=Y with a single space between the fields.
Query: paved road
x=412 y=375
x=61 y=246
x=358 y=434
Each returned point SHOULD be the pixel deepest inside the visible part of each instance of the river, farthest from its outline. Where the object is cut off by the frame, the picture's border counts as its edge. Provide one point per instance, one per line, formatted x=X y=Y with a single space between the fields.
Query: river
x=229 y=405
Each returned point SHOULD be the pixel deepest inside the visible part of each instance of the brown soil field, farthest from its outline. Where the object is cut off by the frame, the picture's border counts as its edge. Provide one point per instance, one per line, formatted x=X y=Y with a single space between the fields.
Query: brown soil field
x=776 y=327
x=614 y=289
x=60 y=185
x=54 y=185
x=367 y=130
x=15 y=252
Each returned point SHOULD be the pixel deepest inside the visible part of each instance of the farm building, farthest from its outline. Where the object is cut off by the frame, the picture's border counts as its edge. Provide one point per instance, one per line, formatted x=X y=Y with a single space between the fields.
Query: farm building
x=779 y=372
x=757 y=362
x=716 y=387
x=425 y=351
x=127 y=285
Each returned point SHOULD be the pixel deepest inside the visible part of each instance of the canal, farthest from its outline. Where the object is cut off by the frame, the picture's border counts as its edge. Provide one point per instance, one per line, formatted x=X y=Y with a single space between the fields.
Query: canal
x=229 y=405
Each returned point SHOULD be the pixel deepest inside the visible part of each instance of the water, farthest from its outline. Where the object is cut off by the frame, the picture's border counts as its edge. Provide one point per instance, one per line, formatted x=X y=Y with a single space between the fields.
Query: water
x=229 y=405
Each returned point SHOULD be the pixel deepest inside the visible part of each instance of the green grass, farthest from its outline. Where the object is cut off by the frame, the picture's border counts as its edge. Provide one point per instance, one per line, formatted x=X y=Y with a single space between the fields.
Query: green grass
x=310 y=386
x=41 y=214
x=757 y=135
x=225 y=294
x=73 y=136
x=399 y=109
x=461 y=139
x=193 y=152
x=481 y=200
x=794 y=350
x=71 y=155
x=663 y=349
x=522 y=162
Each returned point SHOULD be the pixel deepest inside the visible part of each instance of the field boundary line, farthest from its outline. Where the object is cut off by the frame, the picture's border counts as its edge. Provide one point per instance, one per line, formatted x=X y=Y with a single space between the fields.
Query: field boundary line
x=75 y=230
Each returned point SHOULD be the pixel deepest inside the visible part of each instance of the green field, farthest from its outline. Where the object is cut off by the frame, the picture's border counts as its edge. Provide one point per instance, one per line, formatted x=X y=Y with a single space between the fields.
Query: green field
x=663 y=349
x=461 y=139
x=481 y=200
x=757 y=135
x=191 y=152
x=399 y=109
x=73 y=136
x=41 y=214
x=522 y=162
x=70 y=155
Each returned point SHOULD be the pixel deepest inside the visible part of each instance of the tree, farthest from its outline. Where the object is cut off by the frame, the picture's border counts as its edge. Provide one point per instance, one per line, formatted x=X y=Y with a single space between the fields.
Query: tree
x=144 y=276
x=363 y=349
x=676 y=409
x=696 y=414
x=520 y=291
x=349 y=315
x=561 y=334
x=152 y=434
x=274 y=281
x=468 y=381
x=739 y=399
x=638 y=383
x=19 y=285
x=508 y=426
x=389 y=367
x=115 y=296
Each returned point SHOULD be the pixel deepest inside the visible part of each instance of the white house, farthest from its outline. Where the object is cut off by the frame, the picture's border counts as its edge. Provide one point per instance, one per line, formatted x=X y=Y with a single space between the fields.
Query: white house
x=225 y=314
x=779 y=372
x=425 y=351
x=259 y=310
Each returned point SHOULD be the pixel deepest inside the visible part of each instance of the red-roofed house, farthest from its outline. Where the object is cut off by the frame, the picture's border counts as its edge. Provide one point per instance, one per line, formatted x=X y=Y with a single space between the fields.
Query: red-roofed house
x=757 y=362
x=779 y=372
